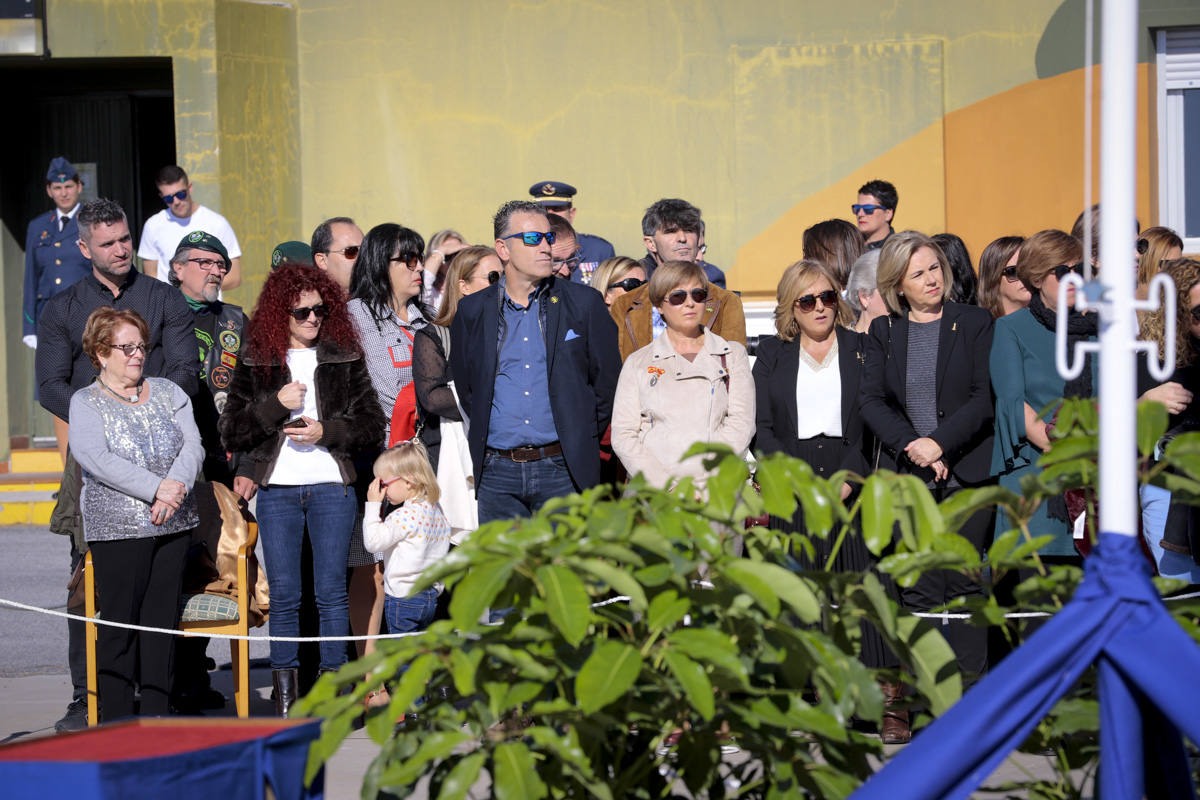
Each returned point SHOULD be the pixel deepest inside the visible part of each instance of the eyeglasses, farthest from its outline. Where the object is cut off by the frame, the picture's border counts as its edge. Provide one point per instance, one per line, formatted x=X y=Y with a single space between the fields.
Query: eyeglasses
x=533 y=238
x=808 y=302
x=207 y=264
x=301 y=314
x=629 y=284
x=570 y=263
x=1196 y=314
x=493 y=277
x=1010 y=274
x=1142 y=246
x=171 y=198
x=1061 y=270
x=866 y=208
x=350 y=252
x=129 y=349
x=389 y=481
x=412 y=262
x=680 y=296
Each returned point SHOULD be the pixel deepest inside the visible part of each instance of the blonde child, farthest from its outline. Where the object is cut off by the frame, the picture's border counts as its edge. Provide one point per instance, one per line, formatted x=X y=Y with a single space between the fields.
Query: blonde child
x=413 y=536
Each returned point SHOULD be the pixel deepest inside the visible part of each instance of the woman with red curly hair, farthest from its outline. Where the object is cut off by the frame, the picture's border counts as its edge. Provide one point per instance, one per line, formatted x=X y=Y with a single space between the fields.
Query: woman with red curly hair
x=301 y=405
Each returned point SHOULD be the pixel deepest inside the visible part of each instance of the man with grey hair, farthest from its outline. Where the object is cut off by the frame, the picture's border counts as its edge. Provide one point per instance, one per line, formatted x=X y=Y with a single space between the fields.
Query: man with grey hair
x=63 y=368
x=535 y=363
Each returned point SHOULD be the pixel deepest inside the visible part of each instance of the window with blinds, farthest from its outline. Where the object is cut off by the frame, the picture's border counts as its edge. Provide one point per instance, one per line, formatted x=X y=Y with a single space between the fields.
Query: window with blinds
x=1179 y=133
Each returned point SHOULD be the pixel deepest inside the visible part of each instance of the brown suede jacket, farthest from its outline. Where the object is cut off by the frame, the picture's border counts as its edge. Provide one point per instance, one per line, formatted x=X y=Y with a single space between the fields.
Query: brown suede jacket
x=723 y=315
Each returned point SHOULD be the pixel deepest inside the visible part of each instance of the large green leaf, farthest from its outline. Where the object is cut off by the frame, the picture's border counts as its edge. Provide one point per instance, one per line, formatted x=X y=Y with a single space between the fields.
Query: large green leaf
x=781 y=583
x=476 y=592
x=608 y=673
x=709 y=646
x=463 y=665
x=691 y=676
x=666 y=609
x=434 y=746
x=878 y=514
x=618 y=579
x=514 y=773
x=737 y=571
x=566 y=601
x=932 y=662
x=775 y=484
x=1069 y=449
x=1151 y=425
x=462 y=777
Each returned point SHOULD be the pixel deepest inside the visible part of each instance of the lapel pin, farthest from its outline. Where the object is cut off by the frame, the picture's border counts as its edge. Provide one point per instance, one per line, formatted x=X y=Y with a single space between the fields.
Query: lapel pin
x=553 y=299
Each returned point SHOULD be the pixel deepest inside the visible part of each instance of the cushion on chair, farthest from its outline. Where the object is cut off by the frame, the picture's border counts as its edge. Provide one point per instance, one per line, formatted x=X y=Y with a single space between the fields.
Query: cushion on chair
x=207 y=607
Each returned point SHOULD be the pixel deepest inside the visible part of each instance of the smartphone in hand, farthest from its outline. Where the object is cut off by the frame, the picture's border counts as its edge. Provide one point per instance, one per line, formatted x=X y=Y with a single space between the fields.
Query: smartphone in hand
x=298 y=422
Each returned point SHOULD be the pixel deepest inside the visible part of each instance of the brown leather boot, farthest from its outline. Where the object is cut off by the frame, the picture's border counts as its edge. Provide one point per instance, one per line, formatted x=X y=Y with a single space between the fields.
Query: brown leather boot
x=894 y=727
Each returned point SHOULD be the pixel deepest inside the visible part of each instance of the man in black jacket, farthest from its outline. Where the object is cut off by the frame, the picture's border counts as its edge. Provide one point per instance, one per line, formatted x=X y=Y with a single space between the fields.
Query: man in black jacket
x=535 y=362
x=63 y=368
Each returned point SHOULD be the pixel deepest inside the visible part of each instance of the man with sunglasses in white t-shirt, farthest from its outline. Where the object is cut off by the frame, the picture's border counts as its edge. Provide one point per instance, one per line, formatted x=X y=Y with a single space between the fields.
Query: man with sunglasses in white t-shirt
x=183 y=215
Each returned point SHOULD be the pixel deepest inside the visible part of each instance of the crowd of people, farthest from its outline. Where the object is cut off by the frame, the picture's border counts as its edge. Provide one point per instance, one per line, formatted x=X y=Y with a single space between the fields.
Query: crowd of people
x=387 y=395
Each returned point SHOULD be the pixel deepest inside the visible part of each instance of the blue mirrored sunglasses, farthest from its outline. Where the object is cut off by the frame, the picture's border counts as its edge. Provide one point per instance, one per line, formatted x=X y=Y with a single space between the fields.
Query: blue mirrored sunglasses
x=171 y=198
x=533 y=238
x=866 y=208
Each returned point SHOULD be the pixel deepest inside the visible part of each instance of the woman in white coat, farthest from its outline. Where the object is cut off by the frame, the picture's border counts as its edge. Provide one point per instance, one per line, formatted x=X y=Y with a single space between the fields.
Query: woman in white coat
x=688 y=385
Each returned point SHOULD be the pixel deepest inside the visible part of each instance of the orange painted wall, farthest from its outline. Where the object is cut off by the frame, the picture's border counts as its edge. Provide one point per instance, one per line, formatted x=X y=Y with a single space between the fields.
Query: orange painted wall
x=1014 y=162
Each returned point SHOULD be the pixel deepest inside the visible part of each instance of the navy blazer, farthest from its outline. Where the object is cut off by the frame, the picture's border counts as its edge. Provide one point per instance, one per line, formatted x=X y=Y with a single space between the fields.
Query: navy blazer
x=776 y=368
x=582 y=370
x=53 y=264
x=964 y=394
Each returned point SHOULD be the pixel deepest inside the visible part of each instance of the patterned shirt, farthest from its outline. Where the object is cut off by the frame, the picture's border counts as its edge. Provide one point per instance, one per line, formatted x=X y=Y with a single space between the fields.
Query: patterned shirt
x=388 y=346
x=414 y=536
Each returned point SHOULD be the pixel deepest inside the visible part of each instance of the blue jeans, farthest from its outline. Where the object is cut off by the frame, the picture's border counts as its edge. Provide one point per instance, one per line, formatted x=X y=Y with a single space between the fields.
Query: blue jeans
x=510 y=489
x=1155 y=502
x=406 y=614
x=327 y=509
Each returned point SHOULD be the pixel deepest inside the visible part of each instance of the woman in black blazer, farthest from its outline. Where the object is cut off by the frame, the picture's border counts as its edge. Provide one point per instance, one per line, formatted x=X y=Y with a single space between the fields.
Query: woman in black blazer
x=926 y=396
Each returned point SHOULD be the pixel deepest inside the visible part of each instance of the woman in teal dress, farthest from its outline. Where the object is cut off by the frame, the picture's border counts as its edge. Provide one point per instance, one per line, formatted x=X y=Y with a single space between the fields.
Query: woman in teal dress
x=1025 y=379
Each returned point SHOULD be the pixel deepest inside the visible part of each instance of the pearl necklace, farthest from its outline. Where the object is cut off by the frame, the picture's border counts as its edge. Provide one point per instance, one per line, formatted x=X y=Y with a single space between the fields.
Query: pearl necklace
x=132 y=398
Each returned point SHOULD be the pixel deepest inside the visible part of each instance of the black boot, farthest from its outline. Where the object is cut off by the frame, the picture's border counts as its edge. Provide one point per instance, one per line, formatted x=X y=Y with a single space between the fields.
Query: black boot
x=285 y=682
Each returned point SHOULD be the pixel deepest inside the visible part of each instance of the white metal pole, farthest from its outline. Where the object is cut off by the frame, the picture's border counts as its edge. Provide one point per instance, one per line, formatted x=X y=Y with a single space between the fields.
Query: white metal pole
x=1118 y=392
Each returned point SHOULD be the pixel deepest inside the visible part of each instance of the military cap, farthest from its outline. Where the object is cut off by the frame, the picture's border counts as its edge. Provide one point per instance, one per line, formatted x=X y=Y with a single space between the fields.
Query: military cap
x=292 y=252
x=201 y=240
x=61 y=170
x=552 y=194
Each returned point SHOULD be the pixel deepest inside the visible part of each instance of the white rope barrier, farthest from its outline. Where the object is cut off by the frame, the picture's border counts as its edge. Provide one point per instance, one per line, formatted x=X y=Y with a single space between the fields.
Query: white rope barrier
x=944 y=616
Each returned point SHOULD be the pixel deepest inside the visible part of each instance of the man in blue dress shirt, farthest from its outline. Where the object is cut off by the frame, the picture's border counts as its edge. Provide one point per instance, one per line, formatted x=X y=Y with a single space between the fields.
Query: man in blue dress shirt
x=559 y=198
x=535 y=363
x=52 y=261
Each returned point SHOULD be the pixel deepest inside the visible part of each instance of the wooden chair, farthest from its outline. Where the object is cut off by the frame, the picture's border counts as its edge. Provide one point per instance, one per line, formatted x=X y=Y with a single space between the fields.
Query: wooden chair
x=200 y=615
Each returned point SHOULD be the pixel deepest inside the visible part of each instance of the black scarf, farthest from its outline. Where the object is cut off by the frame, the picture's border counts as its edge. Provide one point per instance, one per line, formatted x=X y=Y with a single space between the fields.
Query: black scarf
x=1080 y=327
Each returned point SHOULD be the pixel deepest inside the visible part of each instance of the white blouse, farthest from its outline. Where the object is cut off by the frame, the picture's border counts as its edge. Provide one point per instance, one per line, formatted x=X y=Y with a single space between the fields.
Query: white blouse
x=819 y=395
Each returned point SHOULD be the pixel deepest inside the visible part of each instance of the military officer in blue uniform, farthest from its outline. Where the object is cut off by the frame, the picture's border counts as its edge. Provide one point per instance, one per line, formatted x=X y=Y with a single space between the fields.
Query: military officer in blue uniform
x=557 y=198
x=52 y=259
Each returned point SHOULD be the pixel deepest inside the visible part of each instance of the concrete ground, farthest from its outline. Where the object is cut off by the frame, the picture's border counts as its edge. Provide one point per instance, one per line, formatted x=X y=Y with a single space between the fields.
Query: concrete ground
x=35 y=687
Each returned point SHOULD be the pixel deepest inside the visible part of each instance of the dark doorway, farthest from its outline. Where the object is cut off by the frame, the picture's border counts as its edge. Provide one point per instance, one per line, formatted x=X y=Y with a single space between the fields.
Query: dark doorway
x=117 y=114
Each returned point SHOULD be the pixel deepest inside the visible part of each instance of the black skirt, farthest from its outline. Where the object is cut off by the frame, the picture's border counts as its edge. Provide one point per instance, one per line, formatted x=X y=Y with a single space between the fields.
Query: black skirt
x=825 y=454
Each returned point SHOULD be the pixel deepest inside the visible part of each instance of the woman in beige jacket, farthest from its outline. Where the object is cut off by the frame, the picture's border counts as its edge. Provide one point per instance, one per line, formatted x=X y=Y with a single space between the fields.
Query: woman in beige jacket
x=688 y=385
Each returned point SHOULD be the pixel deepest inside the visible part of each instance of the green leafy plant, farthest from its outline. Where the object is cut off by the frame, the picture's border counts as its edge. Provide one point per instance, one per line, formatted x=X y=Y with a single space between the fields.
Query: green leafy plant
x=638 y=643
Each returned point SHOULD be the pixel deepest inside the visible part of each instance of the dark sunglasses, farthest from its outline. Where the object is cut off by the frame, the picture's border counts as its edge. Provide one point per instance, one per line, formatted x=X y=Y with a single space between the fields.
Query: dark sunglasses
x=1061 y=270
x=413 y=263
x=533 y=238
x=1142 y=246
x=1010 y=274
x=808 y=302
x=301 y=314
x=129 y=349
x=866 y=208
x=1196 y=314
x=679 y=296
x=350 y=252
x=493 y=277
x=628 y=284
x=171 y=198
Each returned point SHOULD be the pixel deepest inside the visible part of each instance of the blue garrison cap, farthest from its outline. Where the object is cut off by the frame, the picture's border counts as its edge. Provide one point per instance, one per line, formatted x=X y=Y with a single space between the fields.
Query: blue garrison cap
x=61 y=170
x=552 y=194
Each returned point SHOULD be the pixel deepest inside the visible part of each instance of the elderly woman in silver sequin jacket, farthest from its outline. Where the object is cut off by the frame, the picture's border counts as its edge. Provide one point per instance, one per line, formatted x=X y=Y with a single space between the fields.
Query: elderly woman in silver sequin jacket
x=137 y=443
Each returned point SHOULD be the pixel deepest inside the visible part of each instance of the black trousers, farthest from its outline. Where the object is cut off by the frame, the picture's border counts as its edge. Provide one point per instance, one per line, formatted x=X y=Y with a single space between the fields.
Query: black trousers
x=76 y=643
x=138 y=581
x=938 y=587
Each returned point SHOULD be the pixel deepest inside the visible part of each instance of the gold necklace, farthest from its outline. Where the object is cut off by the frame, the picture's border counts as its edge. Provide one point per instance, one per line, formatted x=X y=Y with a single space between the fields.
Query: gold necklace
x=132 y=398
